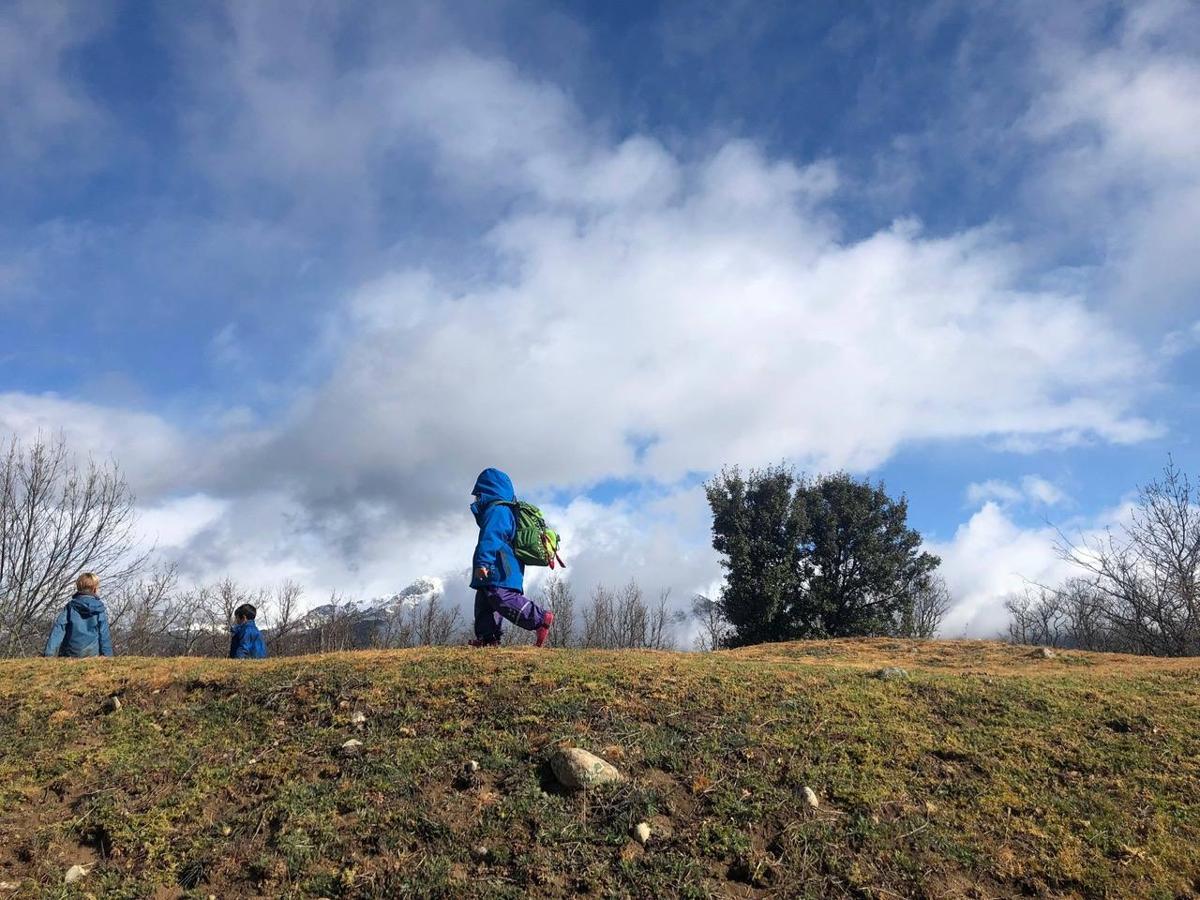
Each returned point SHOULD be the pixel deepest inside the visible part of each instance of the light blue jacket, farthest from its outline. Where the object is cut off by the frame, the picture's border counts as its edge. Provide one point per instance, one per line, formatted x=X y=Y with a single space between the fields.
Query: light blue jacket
x=81 y=629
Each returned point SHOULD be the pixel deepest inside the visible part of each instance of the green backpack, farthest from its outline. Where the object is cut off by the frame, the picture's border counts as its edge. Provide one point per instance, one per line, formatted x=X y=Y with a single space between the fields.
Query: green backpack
x=535 y=543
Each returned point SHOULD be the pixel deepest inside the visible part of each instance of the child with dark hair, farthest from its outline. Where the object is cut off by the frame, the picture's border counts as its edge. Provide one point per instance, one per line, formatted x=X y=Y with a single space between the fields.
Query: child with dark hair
x=246 y=642
x=497 y=576
x=81 y=629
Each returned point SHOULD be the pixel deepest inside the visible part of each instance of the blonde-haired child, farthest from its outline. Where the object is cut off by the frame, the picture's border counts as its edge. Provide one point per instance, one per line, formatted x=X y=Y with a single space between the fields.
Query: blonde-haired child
x=81 y=629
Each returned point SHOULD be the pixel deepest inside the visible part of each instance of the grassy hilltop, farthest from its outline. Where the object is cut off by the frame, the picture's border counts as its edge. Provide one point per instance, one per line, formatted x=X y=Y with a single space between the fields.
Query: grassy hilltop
x=985 y=773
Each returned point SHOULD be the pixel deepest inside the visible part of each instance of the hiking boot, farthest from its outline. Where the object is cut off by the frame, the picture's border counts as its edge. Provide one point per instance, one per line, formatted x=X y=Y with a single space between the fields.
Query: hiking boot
x=480 y=642
x=544 y=629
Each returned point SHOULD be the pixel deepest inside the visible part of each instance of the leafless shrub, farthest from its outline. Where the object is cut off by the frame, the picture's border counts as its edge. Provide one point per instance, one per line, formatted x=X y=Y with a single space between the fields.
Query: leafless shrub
x=558 y=597
x=145 y=615
x=713 y=627
x=623 y=621
x=1036 y=617
x=930 y=603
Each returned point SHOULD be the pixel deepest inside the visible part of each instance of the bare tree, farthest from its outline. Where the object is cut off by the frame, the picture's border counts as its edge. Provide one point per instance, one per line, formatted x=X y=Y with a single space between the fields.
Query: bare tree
x=558 y=597
x=435 y=624
x=660 y=624
x=713 y=627
x=144 y=615
x=930 y=603
x=336 y=630
x=1036 y=616
x=283 y=617
x=58 y=518
x=1145 y=576
x=622 y=620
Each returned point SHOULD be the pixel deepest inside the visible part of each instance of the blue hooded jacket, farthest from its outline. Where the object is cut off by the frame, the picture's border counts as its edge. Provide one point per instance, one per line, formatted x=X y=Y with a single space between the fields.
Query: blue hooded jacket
x=497 y=530
x=246 y=642
x=81 y=629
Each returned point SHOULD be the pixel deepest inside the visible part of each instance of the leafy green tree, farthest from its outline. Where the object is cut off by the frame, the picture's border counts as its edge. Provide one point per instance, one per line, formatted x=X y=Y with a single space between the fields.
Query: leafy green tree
x=863 y=566
x=759 y=528
x=806 y=558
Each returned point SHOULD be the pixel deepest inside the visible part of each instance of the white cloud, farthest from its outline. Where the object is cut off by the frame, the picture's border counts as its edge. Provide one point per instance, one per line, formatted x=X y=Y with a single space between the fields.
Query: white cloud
x=728 y=323
x=175 y=523
x=1031 y=489
x=989 y=558
x=153 y=453
x=1122 y=121
x=39 y=103
x=1042 y=491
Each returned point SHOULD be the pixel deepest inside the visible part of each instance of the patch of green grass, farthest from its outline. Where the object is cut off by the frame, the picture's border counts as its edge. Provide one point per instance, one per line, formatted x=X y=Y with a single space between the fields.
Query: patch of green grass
x=1078 y=776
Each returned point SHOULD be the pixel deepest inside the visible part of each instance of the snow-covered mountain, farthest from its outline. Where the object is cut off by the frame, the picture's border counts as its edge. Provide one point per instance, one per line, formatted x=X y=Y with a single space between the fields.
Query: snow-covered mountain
x=420 y=591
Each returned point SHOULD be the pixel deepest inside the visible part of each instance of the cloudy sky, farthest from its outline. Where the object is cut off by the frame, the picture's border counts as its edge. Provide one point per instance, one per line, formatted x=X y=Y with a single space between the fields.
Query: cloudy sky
x=305 y=269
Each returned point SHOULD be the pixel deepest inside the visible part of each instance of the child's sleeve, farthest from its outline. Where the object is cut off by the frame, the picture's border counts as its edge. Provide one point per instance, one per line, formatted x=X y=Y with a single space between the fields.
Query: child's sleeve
x=105 y=637
x=493 y=531
x=57 y=633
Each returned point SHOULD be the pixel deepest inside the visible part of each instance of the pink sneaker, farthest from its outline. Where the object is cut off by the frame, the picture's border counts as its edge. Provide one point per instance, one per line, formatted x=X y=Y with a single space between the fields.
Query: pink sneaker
x=544 y=629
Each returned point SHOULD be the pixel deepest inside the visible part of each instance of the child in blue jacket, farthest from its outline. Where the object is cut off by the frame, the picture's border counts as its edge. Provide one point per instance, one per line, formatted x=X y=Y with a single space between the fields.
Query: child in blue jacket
x=82 y=628
x=497 y=576
x=245 y=641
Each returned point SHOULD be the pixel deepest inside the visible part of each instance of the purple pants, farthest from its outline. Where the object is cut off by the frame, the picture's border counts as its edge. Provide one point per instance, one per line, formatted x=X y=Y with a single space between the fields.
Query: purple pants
x=495 y=604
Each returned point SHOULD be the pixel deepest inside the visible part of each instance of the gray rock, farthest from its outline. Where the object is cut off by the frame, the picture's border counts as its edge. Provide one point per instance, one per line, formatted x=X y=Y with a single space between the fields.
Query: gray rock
x=351 y=748
x=359 y=720
x=470 y=767
x=891 y=673
x=1043 y=653
x=577 y=769
x=74 y=874
x=480 y=852
x=641 y=833
x=810 y=797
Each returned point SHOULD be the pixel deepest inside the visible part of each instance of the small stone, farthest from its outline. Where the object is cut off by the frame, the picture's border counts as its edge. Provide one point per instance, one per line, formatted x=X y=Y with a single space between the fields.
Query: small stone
x=470 y=767
x=7 y=887
x=352 y=748
x=343 y=704
x=226 y=830
x=631 y=851
x=641 y=833
x=359 y=720
x=577 y=769
x=891 y=673
x=1043 y=653
x=810 y=797
x=405 y=731
x=112 y=704
x=480 y=852
x=661 y=828
x=74 y=874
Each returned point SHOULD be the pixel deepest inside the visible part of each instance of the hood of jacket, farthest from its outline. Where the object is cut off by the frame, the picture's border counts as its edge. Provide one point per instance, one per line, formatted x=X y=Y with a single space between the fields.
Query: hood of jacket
x=490 y=486
x=86 y=605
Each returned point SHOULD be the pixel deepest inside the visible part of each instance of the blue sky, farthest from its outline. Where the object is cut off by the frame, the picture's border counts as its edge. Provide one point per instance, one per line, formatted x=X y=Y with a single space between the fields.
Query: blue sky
x=305 y=269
